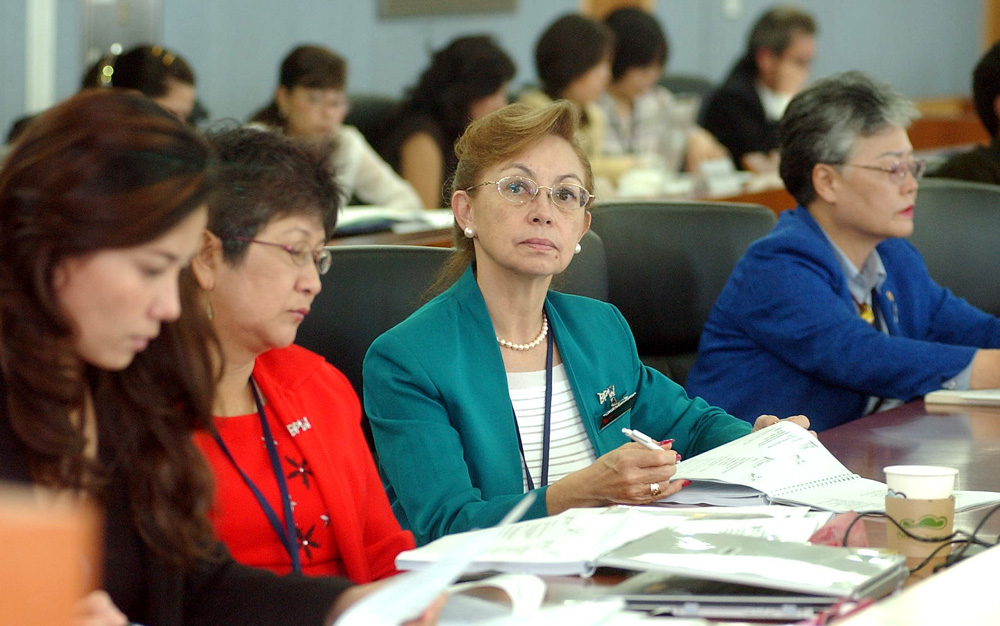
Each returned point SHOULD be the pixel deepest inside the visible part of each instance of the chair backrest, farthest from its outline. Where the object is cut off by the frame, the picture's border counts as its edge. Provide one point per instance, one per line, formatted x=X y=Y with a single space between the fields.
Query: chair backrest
x=587 y=274
x=687 y=84
x=956 y=224
x=373 y=114
x=370 y=289
x=667 y=263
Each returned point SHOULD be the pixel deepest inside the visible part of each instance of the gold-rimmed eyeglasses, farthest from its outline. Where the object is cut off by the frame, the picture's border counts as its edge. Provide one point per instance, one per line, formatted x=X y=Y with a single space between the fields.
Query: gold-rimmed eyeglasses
x=898 y=170
x=568 y=197
x=301 y=253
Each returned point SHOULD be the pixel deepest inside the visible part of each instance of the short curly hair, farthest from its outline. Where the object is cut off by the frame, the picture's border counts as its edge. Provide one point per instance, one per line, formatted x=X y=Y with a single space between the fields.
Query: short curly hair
x=264 y=176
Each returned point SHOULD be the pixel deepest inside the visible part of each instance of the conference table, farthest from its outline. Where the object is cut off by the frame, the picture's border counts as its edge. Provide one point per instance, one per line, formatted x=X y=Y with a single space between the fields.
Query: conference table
x=964 y=437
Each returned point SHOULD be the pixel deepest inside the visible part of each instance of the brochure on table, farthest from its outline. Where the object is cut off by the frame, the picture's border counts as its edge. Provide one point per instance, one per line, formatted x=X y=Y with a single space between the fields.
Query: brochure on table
x=786 y=464
x=572 y=542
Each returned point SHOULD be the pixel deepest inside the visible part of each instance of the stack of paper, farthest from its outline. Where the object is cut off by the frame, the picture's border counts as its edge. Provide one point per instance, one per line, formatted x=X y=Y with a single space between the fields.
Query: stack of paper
x=977 y=397
x=572 y=542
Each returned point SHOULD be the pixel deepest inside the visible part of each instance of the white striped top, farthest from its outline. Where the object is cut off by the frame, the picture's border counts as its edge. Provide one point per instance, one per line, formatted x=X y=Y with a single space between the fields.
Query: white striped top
x=570 y=448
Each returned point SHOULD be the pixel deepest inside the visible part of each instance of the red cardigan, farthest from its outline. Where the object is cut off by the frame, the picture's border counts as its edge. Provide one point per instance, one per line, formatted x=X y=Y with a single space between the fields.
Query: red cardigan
x=301 y=389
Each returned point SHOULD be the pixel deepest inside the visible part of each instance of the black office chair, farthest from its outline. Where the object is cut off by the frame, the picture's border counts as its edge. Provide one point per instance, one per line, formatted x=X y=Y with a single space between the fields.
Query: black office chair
x=370 y=289
x=956 y=224
x=687 y=84
x=667 y=263
x=373 y=114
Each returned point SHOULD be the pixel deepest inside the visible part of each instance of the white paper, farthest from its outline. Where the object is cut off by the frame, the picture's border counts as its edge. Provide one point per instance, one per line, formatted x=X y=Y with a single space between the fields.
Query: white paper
x=570 y=542
x=406 y=596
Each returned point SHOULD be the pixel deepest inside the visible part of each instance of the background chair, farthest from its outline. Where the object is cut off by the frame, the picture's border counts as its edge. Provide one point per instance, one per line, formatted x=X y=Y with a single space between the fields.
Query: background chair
x=370 y=289
x=667 y=263
x=956 y=225
x=687 y=84
x=373 y=114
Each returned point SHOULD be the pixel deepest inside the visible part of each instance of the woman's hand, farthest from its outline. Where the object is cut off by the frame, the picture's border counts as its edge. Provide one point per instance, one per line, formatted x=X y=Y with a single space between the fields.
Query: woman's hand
x=764 y=421
x=703 y=146
x=631 y=474
x=97 y=609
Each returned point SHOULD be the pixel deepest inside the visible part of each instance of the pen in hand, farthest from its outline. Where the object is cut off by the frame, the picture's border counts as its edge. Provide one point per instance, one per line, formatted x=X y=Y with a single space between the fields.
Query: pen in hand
x=642 y=438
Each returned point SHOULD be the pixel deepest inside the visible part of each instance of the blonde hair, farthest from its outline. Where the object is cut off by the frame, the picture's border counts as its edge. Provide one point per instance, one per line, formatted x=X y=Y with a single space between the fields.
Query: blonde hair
x=498 y=137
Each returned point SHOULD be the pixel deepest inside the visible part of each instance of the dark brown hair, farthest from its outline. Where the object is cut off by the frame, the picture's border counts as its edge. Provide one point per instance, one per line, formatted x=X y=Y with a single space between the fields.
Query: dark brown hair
x=495 y=138
x=313 y=67
x=144 y=68
x=107 y=169
x=568 y=49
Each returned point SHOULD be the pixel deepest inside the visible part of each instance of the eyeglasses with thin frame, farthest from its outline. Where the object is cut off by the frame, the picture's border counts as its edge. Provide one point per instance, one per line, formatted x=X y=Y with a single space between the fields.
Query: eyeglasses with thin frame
x=898 y=170
x=568 y=197
x=300 y=253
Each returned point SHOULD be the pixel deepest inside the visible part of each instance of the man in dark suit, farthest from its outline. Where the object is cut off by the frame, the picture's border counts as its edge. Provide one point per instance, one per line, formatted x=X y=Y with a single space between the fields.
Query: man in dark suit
x=744 y=112
x=981 y=164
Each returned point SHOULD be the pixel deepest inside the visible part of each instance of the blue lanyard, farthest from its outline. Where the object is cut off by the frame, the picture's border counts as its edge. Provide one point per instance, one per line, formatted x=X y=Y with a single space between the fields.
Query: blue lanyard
x=547 y=426
x=287 y=534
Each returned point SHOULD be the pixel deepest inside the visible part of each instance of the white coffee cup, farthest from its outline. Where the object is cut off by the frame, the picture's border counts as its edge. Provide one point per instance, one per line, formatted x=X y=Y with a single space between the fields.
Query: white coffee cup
x=922 y=482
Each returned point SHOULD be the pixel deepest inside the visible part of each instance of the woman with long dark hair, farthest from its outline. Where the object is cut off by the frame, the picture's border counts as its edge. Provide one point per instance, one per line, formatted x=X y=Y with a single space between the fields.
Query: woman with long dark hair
x=465 y=80
x=106 y=360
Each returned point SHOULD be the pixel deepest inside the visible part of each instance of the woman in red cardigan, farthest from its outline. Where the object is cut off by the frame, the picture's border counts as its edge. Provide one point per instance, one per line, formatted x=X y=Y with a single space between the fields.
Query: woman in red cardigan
x=297 y=487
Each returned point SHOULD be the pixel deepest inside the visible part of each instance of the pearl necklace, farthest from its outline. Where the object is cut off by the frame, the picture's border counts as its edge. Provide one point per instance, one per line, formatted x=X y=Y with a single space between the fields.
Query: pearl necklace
x=528 y=346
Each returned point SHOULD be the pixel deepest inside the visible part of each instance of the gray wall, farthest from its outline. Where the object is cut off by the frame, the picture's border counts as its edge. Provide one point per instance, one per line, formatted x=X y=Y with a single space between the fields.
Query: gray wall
x=924 y=47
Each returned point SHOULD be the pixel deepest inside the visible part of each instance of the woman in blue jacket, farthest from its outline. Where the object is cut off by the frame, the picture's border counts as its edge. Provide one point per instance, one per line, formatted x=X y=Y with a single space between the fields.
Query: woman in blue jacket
x=500 y=386
x=834 y=312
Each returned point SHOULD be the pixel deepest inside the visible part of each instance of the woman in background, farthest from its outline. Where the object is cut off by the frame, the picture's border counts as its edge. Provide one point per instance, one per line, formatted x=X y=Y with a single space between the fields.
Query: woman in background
x=259 y=269
x=537 y=384
x=154 y=71
x=641 y=115
x=310 y=104
x=105 y=367
x=465 y=81
x=573 y=62
x=160 y=74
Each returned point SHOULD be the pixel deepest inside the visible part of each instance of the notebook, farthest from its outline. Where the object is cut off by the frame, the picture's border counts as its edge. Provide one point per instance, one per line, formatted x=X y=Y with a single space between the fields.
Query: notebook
x=977 y=397
x=684 y=596
x=786 y=464
x=800 y=568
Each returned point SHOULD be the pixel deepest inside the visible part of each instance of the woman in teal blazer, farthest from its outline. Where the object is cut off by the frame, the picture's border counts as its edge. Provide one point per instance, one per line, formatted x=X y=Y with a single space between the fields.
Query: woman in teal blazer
x=450 y=441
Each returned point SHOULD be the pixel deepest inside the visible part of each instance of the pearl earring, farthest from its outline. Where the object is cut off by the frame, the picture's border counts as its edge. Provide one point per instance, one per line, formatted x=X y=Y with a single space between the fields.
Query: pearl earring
x=577 y=249
x=469 y=232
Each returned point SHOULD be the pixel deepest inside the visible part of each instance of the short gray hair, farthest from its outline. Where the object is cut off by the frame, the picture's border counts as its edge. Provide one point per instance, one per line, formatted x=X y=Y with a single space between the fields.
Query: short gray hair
x=824 y=120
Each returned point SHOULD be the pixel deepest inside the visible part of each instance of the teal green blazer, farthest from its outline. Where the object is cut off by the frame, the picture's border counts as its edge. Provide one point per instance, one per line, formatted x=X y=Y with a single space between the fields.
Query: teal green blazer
x=436 y=393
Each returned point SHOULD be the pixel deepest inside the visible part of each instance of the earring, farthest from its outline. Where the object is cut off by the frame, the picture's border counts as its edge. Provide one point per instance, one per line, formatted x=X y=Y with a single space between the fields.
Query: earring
x=577 y=249
x=208 y=308
x=469 y=232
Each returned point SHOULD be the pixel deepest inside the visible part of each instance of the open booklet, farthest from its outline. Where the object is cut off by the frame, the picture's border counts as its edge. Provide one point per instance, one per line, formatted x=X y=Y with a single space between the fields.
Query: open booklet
x=573 y=542
x=786 y=464
x=976 y=397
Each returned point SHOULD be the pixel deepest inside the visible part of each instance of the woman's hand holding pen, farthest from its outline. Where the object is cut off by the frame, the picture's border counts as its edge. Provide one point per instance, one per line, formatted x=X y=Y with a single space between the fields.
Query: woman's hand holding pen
x=630 y=474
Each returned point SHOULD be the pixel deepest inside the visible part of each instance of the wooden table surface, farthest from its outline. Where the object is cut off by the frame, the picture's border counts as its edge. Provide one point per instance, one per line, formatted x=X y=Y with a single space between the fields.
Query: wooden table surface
x=964 y=437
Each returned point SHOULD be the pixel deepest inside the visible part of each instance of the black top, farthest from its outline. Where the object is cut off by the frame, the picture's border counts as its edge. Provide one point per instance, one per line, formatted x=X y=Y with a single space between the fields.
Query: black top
x=410 y=124
x=735 y=115
x=152 y=592
x=980 y=165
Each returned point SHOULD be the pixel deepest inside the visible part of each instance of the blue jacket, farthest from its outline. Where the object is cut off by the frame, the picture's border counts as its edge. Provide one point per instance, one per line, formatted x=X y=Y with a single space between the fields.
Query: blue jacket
x=436 y=394
x=785 y=337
